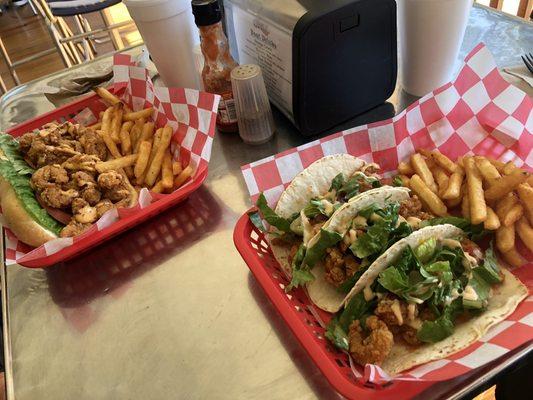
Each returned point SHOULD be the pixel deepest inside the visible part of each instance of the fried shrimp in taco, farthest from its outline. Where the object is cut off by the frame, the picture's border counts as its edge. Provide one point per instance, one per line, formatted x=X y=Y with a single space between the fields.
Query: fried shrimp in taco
x=428 y=296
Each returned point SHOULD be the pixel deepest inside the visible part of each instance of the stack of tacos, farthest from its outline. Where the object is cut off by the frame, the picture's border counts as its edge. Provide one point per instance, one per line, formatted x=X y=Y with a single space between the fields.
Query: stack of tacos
x=407 y=288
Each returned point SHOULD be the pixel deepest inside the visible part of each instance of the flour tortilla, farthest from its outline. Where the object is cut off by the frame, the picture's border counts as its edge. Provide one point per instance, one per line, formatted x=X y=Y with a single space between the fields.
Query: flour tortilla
x=504 y=301
x=322 y=293
x=506 y=298
x=313 y=181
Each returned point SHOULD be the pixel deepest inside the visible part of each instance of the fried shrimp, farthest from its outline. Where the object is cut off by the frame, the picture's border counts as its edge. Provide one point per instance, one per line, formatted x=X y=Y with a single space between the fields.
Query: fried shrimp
x=374 y=348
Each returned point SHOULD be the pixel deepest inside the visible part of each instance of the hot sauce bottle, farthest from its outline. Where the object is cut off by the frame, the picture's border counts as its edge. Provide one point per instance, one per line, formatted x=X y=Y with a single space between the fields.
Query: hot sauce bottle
x=218 y=61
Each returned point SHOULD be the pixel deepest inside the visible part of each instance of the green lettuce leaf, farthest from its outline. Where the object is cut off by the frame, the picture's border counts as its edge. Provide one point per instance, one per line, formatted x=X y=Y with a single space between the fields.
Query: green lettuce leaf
x=397 y=181
x=299 y=278
x=317 y=252
x=338 y=327
x=21 y=185
x=10 y=148
x=382 y=233
x=283 y=224
x=443 y=326
x=426 y=250
x=300 y=273
x=394 y=280
x=490 y=270
x=256 y=220
x=337 y=183
x=474 y=232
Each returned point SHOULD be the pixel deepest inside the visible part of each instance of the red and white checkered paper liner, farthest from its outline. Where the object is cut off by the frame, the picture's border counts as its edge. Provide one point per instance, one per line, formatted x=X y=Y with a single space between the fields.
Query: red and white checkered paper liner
x=477 y=113
x=192 y=115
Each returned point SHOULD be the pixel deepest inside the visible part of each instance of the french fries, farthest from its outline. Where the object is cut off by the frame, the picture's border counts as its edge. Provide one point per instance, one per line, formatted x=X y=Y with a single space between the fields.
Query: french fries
x=427 y=196
x=505 y=238
x=155 y=166
x=106 y=120
x=514 y=214
x=125 y=139
x=478 y=207
x=505 y=204
x=117 y=163
x=158 y=187
x=182 y=177
x=487 y=170
x=145 y=147
x=422 y=170
x=146 y=134
x=525 y=193
x=501 y=186
x=116 y=123
x=167 y=176
x=492 y=222
x=495 y=193
x=110 y=143
x=509 y=168
x=135 y=132
x=441 y=178
x=513 y=258
x=136 y=149
x=176 y=168
x=405 y=168
x=525 y=232
x=453 y=191
x=134 y=115
x=444 y=162
x=97 y=126
x=107 y=96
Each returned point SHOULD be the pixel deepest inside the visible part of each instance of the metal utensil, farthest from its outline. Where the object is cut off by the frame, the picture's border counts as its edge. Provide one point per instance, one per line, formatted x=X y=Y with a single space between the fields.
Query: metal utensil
x=528 y=60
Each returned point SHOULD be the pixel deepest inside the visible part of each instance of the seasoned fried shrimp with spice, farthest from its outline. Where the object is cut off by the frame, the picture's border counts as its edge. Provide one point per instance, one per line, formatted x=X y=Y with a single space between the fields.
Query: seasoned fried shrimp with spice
x=74 y=228
x=412 y=207
x=339 y=266
x=49 y=176
x=392 y=311
x=55 y=197
x=374 y=347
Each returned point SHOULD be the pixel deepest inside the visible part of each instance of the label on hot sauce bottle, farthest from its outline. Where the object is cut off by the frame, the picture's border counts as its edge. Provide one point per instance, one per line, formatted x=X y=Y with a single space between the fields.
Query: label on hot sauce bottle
x=227 y=115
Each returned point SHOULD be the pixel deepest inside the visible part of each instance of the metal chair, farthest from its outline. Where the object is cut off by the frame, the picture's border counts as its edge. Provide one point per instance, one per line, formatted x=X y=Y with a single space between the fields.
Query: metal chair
x=72 y=48
x=86 y=35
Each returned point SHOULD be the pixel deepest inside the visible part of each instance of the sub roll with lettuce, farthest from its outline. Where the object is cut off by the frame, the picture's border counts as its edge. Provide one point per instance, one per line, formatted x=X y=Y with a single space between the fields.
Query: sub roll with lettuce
x=30 y=222
x=428 y=296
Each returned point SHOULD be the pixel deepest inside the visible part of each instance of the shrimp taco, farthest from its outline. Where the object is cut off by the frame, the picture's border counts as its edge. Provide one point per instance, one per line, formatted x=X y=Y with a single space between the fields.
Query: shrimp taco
x=311 y=199
x=355 y=235
x=428 y=296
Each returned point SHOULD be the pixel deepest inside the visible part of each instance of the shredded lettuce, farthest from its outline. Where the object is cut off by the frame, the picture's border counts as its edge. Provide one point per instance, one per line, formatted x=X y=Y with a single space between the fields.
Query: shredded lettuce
x=443 y=326
x=300 y=273
x=382 y=233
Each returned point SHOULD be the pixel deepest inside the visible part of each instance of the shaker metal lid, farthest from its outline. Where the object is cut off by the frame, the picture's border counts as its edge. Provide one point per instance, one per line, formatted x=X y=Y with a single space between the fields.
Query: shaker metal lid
x=206 y=12
x=246 y=71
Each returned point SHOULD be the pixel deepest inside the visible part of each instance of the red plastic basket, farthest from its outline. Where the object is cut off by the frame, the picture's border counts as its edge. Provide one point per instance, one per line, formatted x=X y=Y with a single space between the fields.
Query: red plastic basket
x=162 y=203
x=301 y=317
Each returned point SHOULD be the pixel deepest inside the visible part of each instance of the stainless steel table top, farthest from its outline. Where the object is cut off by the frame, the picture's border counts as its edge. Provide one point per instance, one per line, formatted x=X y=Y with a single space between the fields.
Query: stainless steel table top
x=183 y=318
